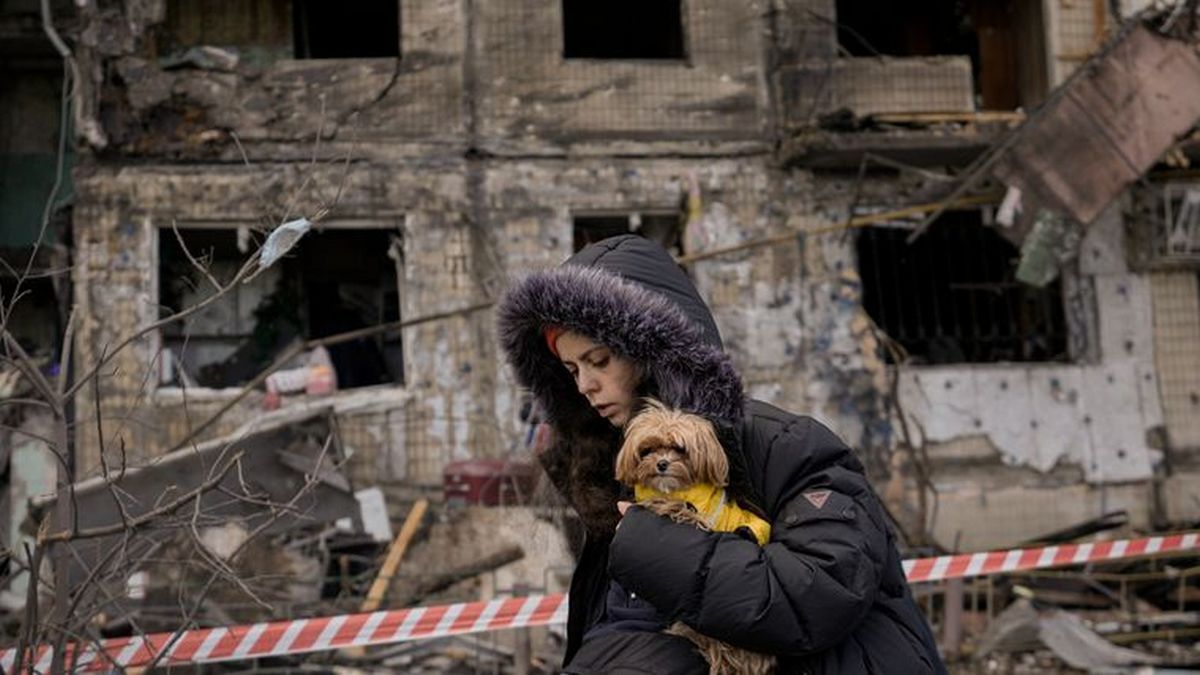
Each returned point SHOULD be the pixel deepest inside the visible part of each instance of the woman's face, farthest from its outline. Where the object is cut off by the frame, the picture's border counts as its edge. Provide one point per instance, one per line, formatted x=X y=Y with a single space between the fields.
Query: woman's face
x=608 y=380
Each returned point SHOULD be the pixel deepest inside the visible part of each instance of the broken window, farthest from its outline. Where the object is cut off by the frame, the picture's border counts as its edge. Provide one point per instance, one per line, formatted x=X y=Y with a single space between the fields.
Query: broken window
x=663 y=227
x=29 y=144
x=36 y=320
x=278 y=29
x=333 y=281
x=31 y=174
x=1002 y=39
x=952 y=296
x=257 y=29
x=623 y=29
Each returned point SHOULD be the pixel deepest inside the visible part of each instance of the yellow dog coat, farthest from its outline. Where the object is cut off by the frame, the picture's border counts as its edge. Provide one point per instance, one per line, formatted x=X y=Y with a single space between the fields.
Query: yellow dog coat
x=709 y=501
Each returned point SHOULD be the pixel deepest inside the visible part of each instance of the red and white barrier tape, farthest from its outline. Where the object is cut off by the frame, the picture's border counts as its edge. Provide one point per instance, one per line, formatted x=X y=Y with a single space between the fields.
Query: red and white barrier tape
x=299 y=636
x=1022 y=559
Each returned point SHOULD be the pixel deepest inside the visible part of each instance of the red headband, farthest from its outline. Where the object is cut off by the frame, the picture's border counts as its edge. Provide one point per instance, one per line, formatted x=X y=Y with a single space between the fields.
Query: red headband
x=552 y=334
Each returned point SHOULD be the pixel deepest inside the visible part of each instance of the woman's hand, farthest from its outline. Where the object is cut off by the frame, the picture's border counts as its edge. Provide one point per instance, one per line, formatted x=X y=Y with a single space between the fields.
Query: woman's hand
x=622 y=507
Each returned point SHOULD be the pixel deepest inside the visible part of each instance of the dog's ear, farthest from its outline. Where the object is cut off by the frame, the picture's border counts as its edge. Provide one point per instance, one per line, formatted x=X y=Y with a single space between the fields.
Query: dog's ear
x=636 y=435
x=627 y=461
x=707 y=456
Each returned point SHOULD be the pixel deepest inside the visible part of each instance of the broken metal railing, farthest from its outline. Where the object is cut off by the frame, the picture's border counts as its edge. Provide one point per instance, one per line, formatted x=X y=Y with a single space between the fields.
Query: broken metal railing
x=1178 y=234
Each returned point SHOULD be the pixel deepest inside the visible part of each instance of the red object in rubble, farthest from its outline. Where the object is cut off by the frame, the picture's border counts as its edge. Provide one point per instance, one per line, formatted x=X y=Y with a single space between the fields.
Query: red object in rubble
x=488 y=482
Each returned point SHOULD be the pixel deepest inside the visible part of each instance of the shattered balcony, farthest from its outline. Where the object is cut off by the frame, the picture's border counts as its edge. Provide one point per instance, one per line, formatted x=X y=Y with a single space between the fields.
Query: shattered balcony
x=916 y=111
x=927 y=85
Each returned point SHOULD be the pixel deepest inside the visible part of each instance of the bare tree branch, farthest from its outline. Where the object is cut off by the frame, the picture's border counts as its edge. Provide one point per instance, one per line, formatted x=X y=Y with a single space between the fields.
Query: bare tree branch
x=309 y=484
x=144 y=518
x=192 y=259
x=153 y=326
x=68 y=350
x=25 y=363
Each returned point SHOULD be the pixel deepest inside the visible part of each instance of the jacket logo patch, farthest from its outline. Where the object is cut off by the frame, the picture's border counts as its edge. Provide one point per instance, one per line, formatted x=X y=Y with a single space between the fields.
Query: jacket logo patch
x=817 y=497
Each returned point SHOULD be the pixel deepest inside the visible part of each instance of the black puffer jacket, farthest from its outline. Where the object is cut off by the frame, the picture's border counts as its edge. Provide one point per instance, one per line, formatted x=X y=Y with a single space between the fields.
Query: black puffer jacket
x=827 y=593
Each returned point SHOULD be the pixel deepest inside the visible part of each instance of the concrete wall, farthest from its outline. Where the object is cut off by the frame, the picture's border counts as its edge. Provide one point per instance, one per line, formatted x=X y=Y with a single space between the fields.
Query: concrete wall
x=533 y=101
x=412 y=104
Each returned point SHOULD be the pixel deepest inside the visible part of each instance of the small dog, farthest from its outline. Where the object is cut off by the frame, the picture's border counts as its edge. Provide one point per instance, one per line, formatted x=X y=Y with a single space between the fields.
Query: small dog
x=678 y=469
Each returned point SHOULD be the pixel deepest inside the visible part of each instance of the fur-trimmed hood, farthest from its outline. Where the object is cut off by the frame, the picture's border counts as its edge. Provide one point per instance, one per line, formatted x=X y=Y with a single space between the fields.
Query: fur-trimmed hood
x=629 y=294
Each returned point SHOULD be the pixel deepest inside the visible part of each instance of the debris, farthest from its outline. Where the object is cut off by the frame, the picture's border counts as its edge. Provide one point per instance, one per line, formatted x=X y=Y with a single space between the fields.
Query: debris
x=1052 y=242
x=1021 y=627
x=489 y=482
x=441 y=580
x=1105 y=127
x=316 y=378
x=1109 y=521
x=964 y=117
x=10 y=379
x=1015 y=629
x=1080 y=647
x=477 y=537
x=1009 y=208
x=1182 y=221
x=223 y=540
x=275 y=449
x=281 y=240
x=322 y=380
x=387 y=570
x=395 y=553
x=375 y=519
x=204 y=57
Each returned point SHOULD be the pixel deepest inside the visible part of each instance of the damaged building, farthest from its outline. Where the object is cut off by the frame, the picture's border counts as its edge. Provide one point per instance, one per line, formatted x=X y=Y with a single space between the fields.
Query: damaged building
x=792 y=153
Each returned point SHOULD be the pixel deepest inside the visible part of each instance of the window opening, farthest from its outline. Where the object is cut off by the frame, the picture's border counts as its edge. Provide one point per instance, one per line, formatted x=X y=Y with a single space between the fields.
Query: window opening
x=623 y=29
x=332 y=282
x=36 y=321
x=905 y=29
x=1002 y=39
x=952 y=296
x=340 y=30
x=260 y=30
x=663 y=227
x=29 y=135
x=267 y=30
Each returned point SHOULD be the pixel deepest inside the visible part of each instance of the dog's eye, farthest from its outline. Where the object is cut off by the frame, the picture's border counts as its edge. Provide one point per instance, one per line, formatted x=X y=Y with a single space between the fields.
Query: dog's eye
x=645 y=452
x=679 y=449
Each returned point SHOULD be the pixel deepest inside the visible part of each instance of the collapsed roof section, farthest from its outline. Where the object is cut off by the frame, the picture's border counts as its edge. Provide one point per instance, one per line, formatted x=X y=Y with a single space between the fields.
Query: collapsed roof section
x=1105 y=127
x=274 y=474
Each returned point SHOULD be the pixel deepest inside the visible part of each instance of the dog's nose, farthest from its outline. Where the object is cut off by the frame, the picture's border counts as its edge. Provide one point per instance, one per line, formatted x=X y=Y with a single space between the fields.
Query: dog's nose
x=662 y=465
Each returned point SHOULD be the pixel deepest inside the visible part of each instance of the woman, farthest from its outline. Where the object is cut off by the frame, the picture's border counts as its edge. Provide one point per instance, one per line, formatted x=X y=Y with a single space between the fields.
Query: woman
x=618 y=321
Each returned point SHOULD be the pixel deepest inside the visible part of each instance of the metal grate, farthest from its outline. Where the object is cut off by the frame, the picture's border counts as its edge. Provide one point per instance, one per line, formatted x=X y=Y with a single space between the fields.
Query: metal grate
x=1176 y=299
x=1081 y=28
x=952 y=297
x=1177 y=231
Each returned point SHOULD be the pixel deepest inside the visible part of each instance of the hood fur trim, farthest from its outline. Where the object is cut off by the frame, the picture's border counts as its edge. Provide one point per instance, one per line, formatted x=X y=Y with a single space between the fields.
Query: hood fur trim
x=689 y=372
